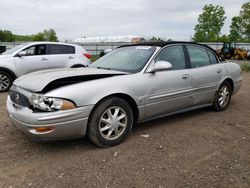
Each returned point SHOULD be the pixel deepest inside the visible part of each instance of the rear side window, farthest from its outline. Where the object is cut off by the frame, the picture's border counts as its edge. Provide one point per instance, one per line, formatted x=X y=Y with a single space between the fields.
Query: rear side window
x=213 y=59
x=61 y=49
x=198 y=56
x=174 y=55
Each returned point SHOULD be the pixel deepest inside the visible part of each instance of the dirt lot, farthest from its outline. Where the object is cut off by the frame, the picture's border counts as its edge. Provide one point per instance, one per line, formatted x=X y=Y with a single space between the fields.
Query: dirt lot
x=201 y=148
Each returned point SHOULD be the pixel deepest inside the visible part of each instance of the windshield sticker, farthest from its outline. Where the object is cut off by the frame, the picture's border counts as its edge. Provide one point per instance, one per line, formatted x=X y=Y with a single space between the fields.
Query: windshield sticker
x=143 y=47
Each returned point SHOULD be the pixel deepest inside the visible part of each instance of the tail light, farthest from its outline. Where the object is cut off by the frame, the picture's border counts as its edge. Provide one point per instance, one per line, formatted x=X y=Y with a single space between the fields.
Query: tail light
x=87 y=55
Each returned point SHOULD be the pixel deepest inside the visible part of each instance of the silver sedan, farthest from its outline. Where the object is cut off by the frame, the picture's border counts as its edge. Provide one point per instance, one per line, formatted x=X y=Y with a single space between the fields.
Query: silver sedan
x=132 y=84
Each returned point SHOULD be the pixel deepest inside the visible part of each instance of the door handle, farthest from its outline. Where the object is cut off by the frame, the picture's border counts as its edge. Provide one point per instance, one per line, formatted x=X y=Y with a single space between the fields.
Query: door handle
x=219 y=71
x=44 y=59
x=70 y=57
x=185 y=76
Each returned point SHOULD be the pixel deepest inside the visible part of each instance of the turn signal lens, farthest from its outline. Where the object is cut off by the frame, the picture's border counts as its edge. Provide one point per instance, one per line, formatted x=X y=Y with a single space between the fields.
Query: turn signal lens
x=67 y=105
x=44 y=129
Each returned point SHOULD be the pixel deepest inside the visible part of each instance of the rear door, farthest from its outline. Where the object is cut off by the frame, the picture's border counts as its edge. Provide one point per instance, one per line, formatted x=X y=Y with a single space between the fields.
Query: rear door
x=170 y=90
x=62 y=56
x=36 y=59
x=206 y=73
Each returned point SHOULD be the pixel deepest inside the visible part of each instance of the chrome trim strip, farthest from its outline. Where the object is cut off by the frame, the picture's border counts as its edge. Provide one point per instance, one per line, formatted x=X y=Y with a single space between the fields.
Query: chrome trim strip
x=176 y=112
x=181 y=93
x=53 y=124
x=63 y=114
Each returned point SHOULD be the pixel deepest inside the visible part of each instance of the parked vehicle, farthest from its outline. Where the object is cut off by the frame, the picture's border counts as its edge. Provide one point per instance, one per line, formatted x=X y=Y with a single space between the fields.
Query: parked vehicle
x=34 y=56
x=2 y=49
x=131 y=84
x=230 y=51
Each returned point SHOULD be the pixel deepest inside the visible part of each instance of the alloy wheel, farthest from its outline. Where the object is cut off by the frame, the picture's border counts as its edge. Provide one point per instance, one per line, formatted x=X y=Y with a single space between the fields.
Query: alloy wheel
x=223 y=96
x=4 y=82
x=113 y=123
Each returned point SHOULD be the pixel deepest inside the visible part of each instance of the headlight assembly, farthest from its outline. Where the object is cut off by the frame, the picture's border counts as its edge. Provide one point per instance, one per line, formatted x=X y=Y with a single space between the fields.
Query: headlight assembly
x=50 y=104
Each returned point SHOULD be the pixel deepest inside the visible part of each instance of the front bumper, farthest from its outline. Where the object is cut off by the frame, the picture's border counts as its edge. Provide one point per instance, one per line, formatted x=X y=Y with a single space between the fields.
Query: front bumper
x=67 y=124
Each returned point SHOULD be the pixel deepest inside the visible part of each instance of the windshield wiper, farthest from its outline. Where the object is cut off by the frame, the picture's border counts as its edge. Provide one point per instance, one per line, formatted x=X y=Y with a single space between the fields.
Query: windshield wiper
x=103 y=68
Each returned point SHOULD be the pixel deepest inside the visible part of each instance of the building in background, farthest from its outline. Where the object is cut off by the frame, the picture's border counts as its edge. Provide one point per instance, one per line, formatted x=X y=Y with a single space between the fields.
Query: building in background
x=104 y=39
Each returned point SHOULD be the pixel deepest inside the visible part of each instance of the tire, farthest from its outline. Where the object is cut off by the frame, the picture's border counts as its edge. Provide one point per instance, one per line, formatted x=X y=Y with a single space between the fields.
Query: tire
x=223 y=97
x=6 y=81
x=237 y=57
x=78 y=66
x=103 y=127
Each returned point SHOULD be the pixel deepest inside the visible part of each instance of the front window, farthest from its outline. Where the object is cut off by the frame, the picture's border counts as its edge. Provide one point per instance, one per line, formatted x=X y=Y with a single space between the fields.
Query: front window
x=174 y=55
x=36 y=50
x=128 y=59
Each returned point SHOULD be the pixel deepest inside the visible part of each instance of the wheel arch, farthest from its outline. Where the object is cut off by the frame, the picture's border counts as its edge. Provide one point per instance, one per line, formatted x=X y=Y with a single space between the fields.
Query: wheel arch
x=230 y=81
x=13 y=75
x=125 y=97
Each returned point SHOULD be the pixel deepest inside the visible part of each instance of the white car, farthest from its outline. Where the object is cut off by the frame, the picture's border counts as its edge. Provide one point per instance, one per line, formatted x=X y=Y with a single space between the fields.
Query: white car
x=35 y=56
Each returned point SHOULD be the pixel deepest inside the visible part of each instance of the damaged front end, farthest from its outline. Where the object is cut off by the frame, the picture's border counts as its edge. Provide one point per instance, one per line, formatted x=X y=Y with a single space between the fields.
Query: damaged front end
x=74 y=80
x=31 y=93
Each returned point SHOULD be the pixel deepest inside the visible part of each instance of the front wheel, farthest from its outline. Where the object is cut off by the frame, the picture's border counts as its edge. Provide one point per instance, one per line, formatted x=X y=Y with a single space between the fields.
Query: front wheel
x=111 y=122
x=223 y=96
x=5 y=81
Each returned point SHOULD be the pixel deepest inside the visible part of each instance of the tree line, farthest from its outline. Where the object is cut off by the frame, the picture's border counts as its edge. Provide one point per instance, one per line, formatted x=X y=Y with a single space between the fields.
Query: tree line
x=45 y=35
x=211 y=21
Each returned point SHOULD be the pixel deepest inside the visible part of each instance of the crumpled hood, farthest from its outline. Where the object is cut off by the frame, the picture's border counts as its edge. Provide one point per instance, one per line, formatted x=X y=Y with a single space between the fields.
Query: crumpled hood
x=37 y=81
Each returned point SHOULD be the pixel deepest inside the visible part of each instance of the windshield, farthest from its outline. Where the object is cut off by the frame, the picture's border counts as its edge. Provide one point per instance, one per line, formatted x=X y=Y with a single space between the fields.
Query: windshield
x=12 y=50
x=127 y=59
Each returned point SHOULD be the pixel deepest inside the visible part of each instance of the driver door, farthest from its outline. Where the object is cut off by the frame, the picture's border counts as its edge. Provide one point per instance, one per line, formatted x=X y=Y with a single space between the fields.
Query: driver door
x=169 y=90
x=35 y=59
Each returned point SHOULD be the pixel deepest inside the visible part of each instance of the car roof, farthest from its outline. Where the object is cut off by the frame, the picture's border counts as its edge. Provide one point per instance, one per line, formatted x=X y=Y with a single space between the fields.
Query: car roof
x=163 y=44
x=48 y=42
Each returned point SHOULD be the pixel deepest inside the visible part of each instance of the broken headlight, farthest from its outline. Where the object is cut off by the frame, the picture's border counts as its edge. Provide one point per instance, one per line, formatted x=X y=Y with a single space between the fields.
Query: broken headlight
x=49 y=104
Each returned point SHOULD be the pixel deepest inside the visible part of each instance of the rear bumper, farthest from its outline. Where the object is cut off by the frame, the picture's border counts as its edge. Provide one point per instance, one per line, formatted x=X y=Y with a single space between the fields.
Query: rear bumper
x=66 y=124
x=237 y=85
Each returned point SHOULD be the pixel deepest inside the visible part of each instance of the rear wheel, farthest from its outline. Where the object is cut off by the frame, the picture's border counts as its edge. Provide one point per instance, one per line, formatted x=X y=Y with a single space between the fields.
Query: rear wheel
x=236 y=57
x=110 y=122
x=5 y=81
x=223 y=96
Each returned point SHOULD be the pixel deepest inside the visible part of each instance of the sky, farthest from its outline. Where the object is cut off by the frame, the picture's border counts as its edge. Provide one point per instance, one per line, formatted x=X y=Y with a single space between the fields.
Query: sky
x=72 y=19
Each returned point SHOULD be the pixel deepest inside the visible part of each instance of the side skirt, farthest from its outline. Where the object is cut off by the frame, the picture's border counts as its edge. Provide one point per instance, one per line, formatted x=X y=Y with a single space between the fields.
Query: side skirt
x=176 y=112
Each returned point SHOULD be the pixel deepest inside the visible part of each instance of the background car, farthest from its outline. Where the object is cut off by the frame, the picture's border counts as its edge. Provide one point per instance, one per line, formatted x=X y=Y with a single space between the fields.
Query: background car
x=34 y=56
x=132 y=84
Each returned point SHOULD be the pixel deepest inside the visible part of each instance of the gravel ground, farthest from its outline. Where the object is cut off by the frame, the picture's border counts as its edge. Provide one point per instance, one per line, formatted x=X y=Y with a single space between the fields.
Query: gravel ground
x=201 y=148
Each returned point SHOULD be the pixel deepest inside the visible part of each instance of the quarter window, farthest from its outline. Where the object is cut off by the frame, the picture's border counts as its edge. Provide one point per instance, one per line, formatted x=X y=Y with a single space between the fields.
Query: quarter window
x=198 y=56
x=61 y=49
x=174 y=55
x=213 y=59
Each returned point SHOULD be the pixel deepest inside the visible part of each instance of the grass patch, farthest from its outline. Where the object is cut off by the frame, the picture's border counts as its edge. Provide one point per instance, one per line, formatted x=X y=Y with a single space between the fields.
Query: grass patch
x=94 y=58
x=245 y=67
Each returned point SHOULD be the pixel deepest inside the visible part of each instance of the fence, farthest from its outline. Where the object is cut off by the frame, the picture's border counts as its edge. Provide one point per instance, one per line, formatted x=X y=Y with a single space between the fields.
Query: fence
x=96 y=48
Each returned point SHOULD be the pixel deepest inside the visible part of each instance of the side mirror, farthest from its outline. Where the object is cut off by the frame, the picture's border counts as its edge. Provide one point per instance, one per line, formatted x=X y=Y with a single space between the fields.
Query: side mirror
x=22 y=53
x=160 y=66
